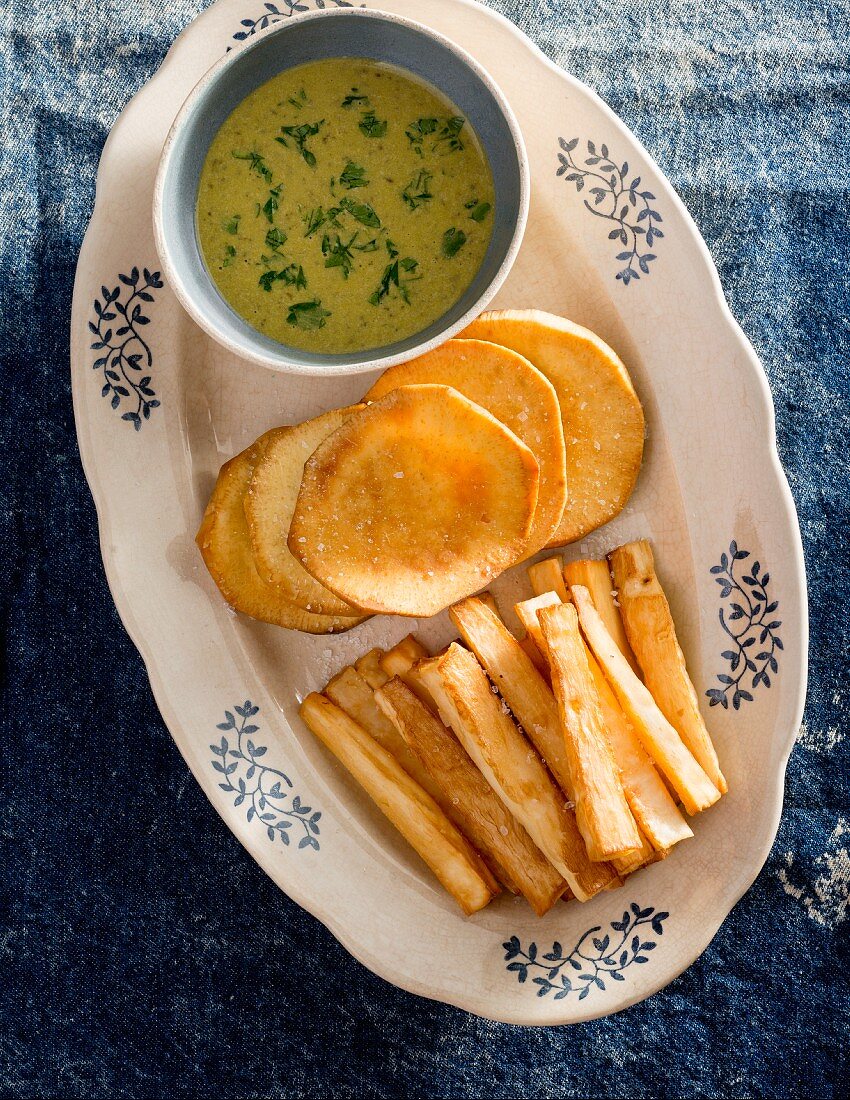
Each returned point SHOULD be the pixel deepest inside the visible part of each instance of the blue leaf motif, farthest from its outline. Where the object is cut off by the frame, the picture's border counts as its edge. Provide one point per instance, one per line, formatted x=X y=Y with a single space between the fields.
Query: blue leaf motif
x=746 y=621
x=616 y=201
x=271 y=14
x=125 y=347
x=261 y=788
x=594 y=958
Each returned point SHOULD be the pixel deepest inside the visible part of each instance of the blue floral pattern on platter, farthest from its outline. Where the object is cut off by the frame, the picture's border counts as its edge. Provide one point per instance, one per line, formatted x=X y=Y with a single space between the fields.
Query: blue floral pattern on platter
x=272 y=14
x=604 y=957
x=265 y=790
x=636 y=222
x=749 y=621
x=126 y=353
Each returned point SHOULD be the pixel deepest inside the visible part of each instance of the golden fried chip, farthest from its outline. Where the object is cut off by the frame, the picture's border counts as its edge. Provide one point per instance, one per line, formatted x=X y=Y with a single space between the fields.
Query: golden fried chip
x=270 y=502
x=416 y=501
x=226 y=549
x=603 y=418
x=515 y=392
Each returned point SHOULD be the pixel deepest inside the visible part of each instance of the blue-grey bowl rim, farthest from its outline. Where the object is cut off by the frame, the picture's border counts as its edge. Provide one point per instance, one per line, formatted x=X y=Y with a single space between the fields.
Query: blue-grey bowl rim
x=250 y=344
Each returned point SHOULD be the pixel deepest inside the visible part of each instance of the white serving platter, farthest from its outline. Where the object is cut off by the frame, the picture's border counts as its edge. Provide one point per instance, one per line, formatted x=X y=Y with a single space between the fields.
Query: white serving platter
x=712 y=496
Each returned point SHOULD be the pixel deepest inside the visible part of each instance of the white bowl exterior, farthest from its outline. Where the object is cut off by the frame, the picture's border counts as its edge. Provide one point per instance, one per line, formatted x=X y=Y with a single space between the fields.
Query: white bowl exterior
x=711 y=476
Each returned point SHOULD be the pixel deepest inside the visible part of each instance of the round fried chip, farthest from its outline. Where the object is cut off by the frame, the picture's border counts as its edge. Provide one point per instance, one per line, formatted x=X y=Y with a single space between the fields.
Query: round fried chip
x=418 y=500
x=515 y=392
x=603 y=418
x=226 y=549
x=270 y=502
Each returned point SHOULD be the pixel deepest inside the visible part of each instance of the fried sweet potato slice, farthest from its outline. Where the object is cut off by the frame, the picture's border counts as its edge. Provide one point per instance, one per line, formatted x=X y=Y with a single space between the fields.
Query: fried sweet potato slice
x=416 y=501
x=225 y=546
x=270 y=502
x=517 y=394
x=602 y=416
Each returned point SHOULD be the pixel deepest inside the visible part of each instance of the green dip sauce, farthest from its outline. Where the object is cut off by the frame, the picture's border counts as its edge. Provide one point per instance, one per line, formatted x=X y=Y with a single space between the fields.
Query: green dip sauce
x=344 y=205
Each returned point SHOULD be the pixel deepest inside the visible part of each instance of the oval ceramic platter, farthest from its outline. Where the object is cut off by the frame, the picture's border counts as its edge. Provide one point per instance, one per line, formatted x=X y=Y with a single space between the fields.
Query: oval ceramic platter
x=159 y=407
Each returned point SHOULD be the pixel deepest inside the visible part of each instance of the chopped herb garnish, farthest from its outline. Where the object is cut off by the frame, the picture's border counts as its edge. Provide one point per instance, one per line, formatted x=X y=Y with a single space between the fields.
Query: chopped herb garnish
x=271 y=204
x=453 y=242
x=313 y=220
x=298 y=106
x=354 y=97
x=392 y=278
x=418 y=191
x=229 y=255
x=231 y=225
x=275 y=239
x=353 y=175
x=338 y=254
x=391 y=248
x=417 y=132
x=362 y=212
x=478 y=211
x=289 y=276
x=257 y=164
x=299 y=135
x=307 y=315
x=448 y=139
x=371 y=126
x=369 y=246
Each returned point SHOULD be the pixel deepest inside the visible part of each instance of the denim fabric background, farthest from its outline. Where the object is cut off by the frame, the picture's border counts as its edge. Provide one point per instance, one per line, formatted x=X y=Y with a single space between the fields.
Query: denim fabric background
x=143 y=952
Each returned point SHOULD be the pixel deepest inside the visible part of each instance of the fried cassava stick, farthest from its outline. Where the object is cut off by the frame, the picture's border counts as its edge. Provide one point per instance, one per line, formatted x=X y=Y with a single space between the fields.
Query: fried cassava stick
x=410 y=809
x=526 y=612
x=602 y=812
x=519 y=683
x=657 y=736
x=652 y=635
x=399 y=661
x=473 y=805
x=547 y=576
x=511 y=766
x=369 y=667
x=350 y=692
x=646 y=792
x=534 y=707
x=649 y=800
x=595 y=576
x=528 y=696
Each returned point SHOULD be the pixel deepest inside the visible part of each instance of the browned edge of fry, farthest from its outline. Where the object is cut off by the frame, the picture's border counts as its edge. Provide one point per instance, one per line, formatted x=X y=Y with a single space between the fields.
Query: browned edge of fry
x=369 y=667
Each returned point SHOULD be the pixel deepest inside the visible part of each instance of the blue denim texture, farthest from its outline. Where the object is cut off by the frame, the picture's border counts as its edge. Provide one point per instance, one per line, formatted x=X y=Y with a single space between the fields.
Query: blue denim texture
x=143 y=952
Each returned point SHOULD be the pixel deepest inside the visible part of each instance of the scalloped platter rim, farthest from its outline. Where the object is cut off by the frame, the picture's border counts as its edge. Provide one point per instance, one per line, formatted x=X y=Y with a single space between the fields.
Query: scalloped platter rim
x=158 y=408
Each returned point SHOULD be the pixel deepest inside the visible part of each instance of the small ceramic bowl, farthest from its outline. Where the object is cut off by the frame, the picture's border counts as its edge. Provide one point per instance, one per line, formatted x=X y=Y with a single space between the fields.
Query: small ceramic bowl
x=378 y=36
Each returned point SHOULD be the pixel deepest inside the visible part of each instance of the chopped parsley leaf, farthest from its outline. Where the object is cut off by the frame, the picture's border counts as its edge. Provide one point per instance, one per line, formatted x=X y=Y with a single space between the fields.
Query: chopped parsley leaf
x=307 y=315
x=453 y=242
x=353 y=175
x=257 y=164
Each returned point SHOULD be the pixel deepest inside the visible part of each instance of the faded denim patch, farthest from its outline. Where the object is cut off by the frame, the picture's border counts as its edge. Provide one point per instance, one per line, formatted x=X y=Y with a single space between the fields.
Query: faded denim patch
x=144 y=954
